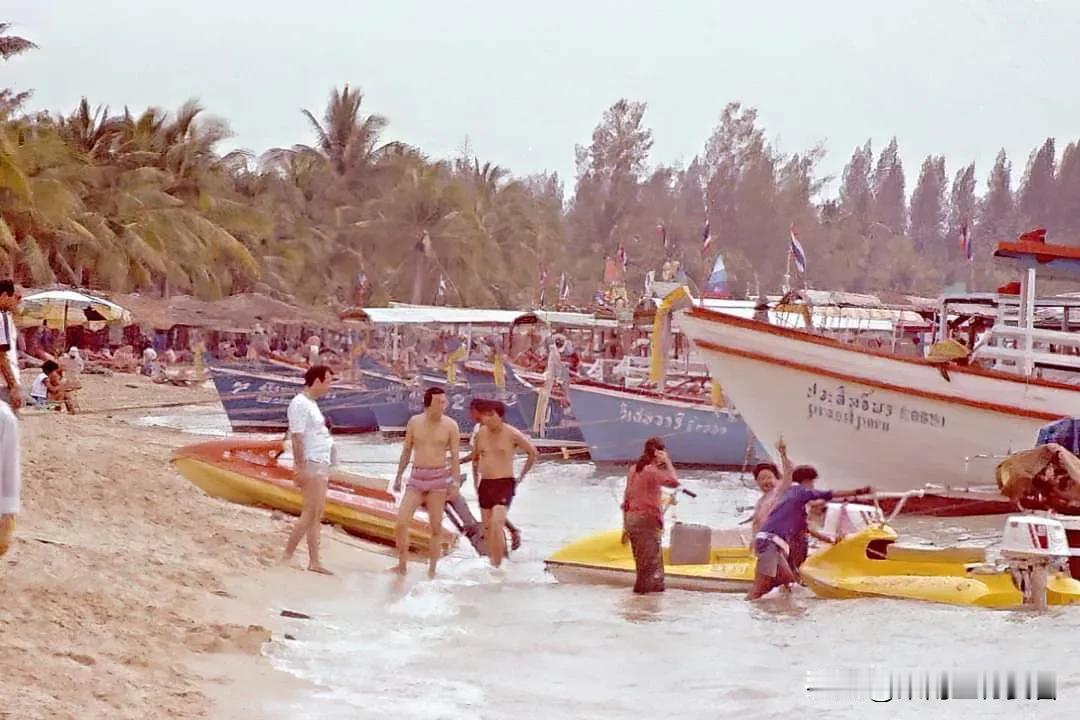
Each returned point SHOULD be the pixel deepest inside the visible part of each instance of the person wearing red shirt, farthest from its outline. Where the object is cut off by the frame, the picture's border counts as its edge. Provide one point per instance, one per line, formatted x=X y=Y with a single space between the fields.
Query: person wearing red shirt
x=643 y=517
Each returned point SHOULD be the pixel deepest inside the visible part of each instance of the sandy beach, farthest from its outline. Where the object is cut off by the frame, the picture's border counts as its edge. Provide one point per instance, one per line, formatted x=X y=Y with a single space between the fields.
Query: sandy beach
x=128 y=593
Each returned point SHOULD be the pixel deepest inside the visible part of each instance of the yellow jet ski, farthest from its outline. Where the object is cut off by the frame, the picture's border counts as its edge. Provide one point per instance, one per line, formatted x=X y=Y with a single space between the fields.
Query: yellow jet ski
x=870 y=563
x=603 y=559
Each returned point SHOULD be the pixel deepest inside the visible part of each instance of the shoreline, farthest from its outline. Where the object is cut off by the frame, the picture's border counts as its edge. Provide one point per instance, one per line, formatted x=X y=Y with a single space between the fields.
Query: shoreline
x=128 y=593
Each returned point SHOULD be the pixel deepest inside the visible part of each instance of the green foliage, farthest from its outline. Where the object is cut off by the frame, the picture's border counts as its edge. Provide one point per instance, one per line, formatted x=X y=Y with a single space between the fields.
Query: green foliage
x=145 y=201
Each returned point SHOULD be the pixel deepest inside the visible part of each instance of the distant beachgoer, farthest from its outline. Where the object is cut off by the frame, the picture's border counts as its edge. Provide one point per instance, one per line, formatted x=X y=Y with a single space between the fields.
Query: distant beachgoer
x=786 y=522
x=432 y=441
x=313 y=456
x=494 y=447
x=149 y=360
x=9 y=361
x=72 y=363
x=643 y=517
x=312 y=345
x=62 y=391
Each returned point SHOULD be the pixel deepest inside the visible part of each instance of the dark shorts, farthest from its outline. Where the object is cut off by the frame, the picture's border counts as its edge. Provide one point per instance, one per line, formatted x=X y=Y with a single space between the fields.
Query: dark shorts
x=495 y=491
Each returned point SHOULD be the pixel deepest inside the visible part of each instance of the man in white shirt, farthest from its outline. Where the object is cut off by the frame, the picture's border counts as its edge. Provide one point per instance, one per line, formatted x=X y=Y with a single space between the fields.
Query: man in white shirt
x=313 y=454
x=9 y=360
x=10 y=471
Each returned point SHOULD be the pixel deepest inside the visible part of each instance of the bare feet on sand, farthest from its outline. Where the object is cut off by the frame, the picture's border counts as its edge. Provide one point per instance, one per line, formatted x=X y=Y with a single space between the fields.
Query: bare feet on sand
x=319 y=569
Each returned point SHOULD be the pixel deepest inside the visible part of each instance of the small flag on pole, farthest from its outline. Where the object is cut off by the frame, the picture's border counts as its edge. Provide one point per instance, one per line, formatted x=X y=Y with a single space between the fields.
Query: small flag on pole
x=965 y=241
x=564 y=288
x=706 y=234
x=797 y=252
x=663 y=234
x=440 y=294
x=543 y=282
x=621 y=255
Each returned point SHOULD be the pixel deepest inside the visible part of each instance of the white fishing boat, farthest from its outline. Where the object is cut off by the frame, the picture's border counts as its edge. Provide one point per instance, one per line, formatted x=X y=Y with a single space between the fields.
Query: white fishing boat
x=861 y=415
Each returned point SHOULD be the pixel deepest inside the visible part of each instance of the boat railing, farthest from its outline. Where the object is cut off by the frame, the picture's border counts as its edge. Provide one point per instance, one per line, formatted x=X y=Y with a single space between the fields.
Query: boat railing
x=1023 y=349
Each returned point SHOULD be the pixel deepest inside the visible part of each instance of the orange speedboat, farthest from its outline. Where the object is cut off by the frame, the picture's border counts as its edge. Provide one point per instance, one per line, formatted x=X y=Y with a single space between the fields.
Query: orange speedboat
x=247 y=472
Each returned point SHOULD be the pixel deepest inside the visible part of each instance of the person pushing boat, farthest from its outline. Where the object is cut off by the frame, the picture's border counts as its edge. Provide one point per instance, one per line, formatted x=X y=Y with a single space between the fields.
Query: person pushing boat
x=494 y=448
x=313 y=455
x=643 y=516
x=786 y=522
x=431 y=442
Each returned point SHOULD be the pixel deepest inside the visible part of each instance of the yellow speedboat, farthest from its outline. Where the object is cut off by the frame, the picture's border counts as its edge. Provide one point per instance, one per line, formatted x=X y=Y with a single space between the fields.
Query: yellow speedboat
x=603 y=559
x=247 y=472
x=870 y=563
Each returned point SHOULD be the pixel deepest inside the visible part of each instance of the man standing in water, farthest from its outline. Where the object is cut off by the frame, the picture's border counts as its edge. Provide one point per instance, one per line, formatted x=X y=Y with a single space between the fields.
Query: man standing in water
x=435 y=439
x=313 y=452
x=493 y=453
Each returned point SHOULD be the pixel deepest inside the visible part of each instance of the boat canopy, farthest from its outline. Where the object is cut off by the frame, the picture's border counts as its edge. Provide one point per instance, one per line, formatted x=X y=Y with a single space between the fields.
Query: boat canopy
x=404 y=314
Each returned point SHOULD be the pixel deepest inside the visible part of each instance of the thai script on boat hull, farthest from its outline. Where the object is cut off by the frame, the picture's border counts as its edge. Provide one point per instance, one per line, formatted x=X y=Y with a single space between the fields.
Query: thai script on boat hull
x=668 y=420
x=861 y=410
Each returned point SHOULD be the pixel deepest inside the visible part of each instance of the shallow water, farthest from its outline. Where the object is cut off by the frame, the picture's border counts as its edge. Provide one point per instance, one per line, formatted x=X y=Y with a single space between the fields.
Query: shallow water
x=476 y=644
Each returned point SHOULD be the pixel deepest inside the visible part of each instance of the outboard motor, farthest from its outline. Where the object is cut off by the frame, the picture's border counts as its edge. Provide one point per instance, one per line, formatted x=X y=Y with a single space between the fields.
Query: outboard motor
x=1033 y=546
x=842 y=518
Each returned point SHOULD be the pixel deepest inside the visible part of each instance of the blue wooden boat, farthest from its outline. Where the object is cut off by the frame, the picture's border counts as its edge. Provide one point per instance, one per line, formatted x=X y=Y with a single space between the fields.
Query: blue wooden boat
x=616 y=422
x=256 y=396
x=560 y=424
x=407 y=400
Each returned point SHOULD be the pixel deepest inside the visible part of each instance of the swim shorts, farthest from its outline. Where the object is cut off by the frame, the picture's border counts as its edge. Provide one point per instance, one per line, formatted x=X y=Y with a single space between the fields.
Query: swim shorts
x=495 y=491
x=429 y=479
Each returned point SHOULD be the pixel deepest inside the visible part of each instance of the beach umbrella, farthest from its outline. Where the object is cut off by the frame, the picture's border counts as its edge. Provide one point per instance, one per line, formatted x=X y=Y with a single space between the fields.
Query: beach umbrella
x=64 y=308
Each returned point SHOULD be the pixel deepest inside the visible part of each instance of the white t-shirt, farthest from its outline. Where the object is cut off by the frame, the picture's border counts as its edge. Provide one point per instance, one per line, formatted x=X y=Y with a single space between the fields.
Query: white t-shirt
x=149 y=355
x=10 y=470
x=38 y=389
x=9 y=338
x=307 y=419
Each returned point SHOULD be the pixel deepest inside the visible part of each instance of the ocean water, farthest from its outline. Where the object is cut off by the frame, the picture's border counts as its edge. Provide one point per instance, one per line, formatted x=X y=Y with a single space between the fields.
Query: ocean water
x=475 y=643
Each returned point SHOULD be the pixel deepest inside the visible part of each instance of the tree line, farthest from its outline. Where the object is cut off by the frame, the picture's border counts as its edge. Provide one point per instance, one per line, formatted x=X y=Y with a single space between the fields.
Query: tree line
x=146 y=201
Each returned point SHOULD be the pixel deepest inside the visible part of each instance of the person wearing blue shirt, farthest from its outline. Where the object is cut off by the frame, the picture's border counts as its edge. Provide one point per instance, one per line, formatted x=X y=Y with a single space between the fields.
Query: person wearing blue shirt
x=787 y=524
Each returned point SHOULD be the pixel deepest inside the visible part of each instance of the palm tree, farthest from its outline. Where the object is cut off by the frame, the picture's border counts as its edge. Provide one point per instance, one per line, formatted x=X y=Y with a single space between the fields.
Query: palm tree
x=10 y=46
x=349 y=139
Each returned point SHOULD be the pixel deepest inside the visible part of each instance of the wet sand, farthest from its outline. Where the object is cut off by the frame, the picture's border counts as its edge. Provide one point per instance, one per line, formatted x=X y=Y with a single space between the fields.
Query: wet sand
x=107 y=597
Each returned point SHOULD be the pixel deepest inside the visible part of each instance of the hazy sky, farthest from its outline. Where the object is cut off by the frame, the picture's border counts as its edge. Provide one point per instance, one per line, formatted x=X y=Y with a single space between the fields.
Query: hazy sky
x=524 y=82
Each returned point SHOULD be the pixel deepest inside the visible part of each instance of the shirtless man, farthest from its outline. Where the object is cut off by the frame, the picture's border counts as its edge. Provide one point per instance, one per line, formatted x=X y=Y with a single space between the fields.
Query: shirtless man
x=435 y=440
x=476 y=406
x=493 y=455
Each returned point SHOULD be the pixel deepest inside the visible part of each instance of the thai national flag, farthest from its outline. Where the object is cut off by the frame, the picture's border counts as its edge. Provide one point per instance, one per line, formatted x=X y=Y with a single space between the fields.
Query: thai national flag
x=797 y=252
x=622 y=256
x=965 y=241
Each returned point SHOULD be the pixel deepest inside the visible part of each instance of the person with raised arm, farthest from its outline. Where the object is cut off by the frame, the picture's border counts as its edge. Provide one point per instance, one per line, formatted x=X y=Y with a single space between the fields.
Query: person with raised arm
x=786 y=522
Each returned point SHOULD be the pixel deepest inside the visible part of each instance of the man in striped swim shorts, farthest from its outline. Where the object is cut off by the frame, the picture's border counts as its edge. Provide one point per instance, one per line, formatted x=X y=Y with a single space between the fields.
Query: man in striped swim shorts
x=432 y=442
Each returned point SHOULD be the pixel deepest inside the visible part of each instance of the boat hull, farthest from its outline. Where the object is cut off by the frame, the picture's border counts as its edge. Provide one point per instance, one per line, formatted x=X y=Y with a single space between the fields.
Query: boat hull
x=616 y=423
x=246 y=473
x=869 y=418
x=847 y=570
x=257 y=399
x=602 y=559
